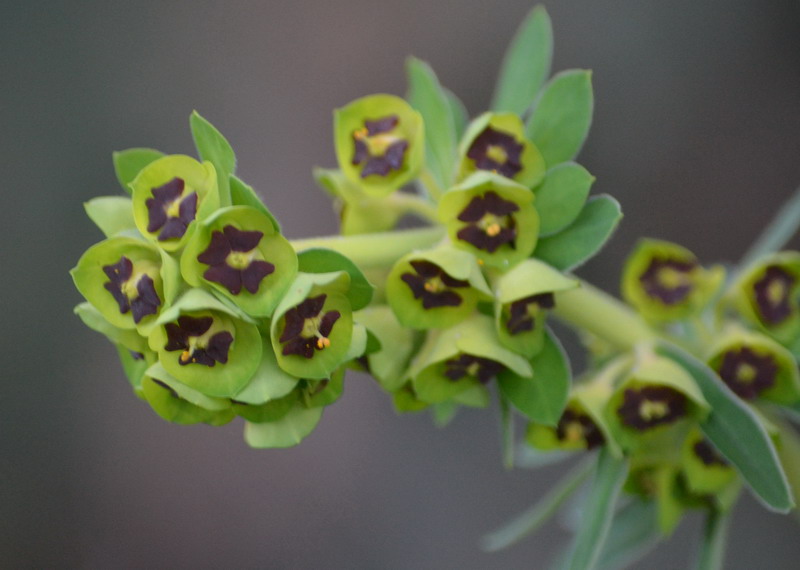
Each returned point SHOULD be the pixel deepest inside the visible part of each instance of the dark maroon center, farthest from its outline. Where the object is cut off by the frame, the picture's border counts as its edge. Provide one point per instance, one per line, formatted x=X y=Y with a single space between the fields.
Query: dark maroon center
x=651 y=406
x=180 y=335
x=378 y=163
x=306 y=328
x=481 y=152
x=773 y=294
x=572 y=422
x=217 y=256
x=523 y=312
x=747 y=373
x=146 y=301
x=490 y=223
x=431 y=284
x=160 y=210
x=484 y=369
x=668 y=280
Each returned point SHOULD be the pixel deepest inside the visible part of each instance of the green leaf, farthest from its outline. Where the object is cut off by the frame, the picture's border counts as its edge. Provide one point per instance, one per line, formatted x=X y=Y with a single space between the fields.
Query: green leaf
x=562 y=116
x=242 y=194
x=128 y=163
x=526 y=64
x=598 y=511
x=533 y=518
x=290 y=430
x=737 y=433
x=783 y=226
x=561 y=196
x=213 y=147
x=458 y=111
x=320 y=260
x=112 y=214
x=584 y=238
x=634 y=532
x=715 y=537
x=426 y=96
x=543 y=397
x=444 y=412
x=507 y=432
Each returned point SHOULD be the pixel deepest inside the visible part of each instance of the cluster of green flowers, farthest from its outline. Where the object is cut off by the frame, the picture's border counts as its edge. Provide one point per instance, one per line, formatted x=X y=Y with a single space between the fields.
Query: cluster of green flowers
x=216 y=315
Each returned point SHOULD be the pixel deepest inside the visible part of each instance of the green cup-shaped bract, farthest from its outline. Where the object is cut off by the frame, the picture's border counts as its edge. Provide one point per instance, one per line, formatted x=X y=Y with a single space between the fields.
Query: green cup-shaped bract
x=206 y=345
x=405 y=399
x=436 y=288
x=460 y=358
x=577 y=430
x=223 y=242
x=119 y=276
x=387 y=364
x=665 y=282
x=496 y=142
x=312 y=327
x=755 y=366
x=767 y=295
x=706 y=471
x=523 y=296
x=380 y=142
x=270 y=411
x=185 y=190
x=178 y=403
x=492 y=217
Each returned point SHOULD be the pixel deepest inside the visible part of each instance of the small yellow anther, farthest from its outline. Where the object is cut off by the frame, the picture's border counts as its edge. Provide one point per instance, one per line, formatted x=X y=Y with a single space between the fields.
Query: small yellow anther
x=429 y=287
x=185 y=356
x=493 y=229
x=360 y=133
x=323 y=342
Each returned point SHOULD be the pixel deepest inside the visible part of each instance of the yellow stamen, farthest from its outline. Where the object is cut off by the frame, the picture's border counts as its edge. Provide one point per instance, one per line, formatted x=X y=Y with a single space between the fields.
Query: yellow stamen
x=574 y=432
x=493 y=229
x=650 y=410
x=746 y=373
x=360 y=133
x=185 y=356
x=323 y=342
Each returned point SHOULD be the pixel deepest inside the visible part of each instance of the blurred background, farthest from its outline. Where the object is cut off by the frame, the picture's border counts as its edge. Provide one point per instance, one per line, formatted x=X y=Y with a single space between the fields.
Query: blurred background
x=696 y=131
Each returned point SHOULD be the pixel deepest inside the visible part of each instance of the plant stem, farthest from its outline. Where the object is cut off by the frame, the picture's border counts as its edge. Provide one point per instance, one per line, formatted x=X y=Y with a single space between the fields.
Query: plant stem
x=588 y=308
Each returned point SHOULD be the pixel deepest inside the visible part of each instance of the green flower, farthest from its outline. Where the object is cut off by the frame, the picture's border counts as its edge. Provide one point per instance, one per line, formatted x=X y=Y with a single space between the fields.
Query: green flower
x=576 y=430
x=237 y=252
x=492 y=217
x=169 y=194
x=665 y=281
x=207 y=345
x=123 y=278
x=496 y=142
x=380 y=142
x=436 y=288
x=705 y=470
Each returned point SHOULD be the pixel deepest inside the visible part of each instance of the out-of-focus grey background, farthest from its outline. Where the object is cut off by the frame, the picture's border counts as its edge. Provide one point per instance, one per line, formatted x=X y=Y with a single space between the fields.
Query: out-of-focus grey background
x=696 y=132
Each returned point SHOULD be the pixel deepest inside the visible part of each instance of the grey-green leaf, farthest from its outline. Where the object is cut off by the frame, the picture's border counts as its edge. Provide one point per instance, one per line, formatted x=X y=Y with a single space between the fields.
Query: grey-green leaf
x=427 y=96
x=715 y=537
x=737 y=433
x=543 y=397
x=458 y=111
x=562 y=116
x=128 y=163
x=634 y=532
x=215 y=148
x=526 y=64
x=598 y=511
x=112 y=214
x=561 y=196
x=581 y=240
x=242 y=194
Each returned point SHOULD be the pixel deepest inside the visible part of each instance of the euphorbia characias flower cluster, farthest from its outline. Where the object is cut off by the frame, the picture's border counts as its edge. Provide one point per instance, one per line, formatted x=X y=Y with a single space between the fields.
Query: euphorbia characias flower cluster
x=216 y=315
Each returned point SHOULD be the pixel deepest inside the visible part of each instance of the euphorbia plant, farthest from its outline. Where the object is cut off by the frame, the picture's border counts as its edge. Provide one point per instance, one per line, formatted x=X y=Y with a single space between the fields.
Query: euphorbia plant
x=684 y=401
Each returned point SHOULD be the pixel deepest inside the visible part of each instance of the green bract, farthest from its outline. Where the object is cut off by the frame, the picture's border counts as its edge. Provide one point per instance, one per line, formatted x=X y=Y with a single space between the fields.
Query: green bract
x=169 y=194
x=237 y=253
x=496 y=142
x=492 y=217
x=380 y=142
x=768 y=296
x=312 y=327
x=124 y=280
x=207 y=345
x=706 y=471
x=387 y=364
x=435 y=288
x=665 y=282
x=522 y=297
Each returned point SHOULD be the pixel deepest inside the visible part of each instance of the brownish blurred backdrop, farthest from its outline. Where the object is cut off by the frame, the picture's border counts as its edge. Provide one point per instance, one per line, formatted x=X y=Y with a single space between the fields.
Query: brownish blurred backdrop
x=696 y=132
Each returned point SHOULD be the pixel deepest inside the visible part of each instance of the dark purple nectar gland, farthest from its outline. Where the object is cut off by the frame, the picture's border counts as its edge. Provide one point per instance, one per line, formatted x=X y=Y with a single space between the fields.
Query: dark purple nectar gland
x=576 y=427
x=231 y=257
x=376 y=149
x=191 y=336
x=490 y=223
x=171 y=209
x=668 y=280
x=772 y=294
x=651 y=406
x=433 y=285
x=307 y=329
x=496 y=151
x=484 y=369
x=523 y=312
x=747 y=373
x=706 y=453
x=134 y=292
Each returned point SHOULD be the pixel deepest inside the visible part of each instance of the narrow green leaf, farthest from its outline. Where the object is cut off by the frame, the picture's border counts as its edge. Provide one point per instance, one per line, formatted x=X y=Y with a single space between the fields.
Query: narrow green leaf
x=213 y=147
x=562 y=116
x=715 y=537
x=526 y=64
x=506 y=432
x=321 y=260
x=585 y=237
x=242 y=194
x=634 y=532
x=782 y=227
x=458 y=111
x=531 y=458
x=737 y=433
x=128 y=163
x=561 y=196
x=533 y=518
x=598 y=510
x=112 y=214
x=543 y=397
x=427 y=96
